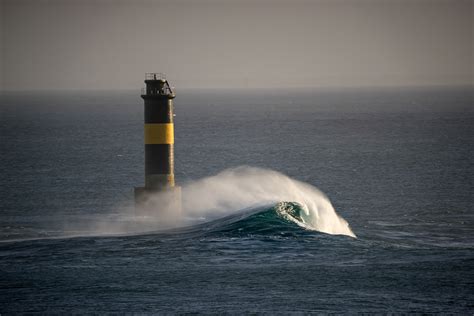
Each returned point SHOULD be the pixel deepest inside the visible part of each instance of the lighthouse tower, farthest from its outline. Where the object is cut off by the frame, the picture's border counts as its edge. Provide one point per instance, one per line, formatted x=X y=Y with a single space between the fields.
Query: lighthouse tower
x=159 y=194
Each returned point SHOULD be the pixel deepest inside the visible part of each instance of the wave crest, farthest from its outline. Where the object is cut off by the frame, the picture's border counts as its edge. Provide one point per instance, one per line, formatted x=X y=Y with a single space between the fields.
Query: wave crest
x=283 y=219
x=241 y=188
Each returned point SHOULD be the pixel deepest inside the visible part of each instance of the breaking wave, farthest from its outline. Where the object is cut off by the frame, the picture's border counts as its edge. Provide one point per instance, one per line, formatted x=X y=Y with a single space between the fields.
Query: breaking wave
x=248 y=188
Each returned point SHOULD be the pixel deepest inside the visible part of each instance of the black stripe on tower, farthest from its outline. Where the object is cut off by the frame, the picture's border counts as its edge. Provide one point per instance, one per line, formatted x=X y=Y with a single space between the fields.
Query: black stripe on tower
x=159 y=159
x=158 y=110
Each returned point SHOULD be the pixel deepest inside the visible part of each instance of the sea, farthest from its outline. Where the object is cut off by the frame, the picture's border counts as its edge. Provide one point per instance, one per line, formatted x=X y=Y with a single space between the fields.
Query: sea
x=300 y=201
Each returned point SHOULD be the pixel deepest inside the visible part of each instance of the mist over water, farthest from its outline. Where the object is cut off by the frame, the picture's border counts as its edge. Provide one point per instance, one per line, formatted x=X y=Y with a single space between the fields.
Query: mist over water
x=245 y=187
x=231 y=192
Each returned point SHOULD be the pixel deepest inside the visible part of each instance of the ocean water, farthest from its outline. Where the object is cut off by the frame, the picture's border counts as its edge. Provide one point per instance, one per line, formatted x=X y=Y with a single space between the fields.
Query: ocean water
x=294 y=201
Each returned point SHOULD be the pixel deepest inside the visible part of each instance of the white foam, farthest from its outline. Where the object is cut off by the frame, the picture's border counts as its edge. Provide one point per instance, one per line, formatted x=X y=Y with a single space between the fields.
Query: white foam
x=235 y=189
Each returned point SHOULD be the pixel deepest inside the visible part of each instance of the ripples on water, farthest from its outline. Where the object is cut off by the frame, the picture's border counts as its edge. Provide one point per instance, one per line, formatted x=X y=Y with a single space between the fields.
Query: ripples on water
x=400 y=176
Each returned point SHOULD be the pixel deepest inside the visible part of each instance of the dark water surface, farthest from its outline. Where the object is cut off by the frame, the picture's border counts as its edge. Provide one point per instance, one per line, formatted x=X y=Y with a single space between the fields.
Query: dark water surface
x=396 y=164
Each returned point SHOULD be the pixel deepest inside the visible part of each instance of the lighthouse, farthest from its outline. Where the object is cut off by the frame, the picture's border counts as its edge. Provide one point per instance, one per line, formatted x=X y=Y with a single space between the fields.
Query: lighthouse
x=159 y=195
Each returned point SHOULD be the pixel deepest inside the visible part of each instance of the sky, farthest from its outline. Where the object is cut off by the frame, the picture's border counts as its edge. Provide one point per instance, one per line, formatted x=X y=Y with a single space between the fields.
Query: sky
x=111 y=44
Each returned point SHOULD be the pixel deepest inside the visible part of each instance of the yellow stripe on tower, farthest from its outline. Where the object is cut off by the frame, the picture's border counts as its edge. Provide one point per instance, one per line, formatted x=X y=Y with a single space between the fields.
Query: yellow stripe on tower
x=159 y=133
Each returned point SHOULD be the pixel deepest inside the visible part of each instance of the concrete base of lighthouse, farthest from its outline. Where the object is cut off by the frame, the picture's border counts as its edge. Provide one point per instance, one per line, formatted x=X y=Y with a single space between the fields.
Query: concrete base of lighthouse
x=164 y=204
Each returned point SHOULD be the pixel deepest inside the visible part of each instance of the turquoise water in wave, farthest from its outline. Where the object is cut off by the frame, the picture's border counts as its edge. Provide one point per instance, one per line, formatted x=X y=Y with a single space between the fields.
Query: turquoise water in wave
x=396 y=166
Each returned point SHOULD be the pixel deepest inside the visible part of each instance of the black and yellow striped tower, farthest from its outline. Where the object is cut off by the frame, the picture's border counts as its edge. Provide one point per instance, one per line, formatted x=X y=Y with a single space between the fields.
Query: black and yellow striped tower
x=160 y=193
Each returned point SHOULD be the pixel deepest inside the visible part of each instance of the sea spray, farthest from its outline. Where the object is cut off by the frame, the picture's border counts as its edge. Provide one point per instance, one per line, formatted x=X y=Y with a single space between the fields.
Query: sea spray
x=238 y=188
x=225 y=194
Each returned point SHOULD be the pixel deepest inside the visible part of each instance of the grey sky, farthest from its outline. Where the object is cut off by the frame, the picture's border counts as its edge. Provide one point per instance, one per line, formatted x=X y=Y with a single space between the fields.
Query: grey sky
x=107 y=44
